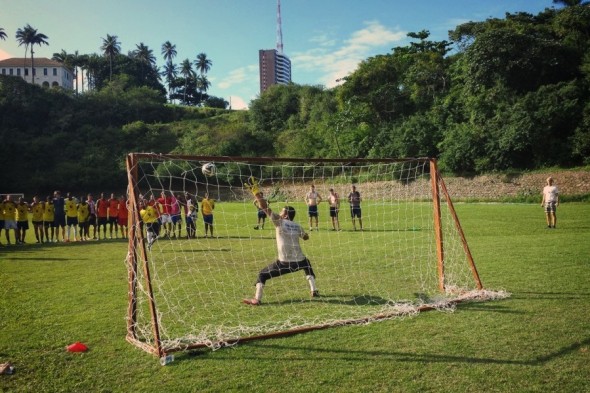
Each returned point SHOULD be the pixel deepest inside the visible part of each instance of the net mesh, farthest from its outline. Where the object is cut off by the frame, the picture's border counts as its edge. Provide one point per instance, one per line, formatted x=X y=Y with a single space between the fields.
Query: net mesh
x=387 y=270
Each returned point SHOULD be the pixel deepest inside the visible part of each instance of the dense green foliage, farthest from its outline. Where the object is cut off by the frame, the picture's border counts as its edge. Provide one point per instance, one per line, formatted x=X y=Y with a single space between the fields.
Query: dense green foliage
x=510 y=93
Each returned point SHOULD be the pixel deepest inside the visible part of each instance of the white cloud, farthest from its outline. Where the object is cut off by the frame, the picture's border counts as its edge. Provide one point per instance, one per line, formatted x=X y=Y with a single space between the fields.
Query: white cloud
x=237 y=103
x=336 y=64
x=238 y=76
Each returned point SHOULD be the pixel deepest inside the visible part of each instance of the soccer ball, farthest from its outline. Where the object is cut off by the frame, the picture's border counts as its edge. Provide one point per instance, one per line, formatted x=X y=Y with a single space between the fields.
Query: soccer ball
x=209 y=169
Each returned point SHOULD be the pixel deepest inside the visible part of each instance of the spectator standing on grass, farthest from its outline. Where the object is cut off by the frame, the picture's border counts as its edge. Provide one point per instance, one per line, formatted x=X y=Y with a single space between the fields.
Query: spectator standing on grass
x=92 y=215
x=164 y=203
x=207 y=206
x=10 y=219
x=123 y=216
x=59 y=218
x=312 y=200
x=191 y=210
x=83 y=210
x=49 y=220
x=113 y=212
x=261 y=215
x=550 y=202
x=102 y=215
x=37 y=210
x=175 y=214
x=22 y=220
x=354 y=199
x=71 y=218
x=334 y=202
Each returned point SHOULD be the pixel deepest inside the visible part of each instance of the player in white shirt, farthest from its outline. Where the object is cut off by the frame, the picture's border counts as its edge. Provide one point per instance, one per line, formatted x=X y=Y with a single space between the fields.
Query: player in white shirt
x=550 y=202
x=290 y=256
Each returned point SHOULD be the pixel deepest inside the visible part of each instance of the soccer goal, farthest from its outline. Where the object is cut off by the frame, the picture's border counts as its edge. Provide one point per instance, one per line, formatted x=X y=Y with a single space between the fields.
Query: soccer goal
x=184 y=293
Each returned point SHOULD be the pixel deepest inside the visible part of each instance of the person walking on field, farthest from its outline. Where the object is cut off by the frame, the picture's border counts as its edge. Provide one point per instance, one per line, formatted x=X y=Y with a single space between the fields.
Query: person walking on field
x=312 y=200
x=550 y=202
x=290 y=258
x=354 y=198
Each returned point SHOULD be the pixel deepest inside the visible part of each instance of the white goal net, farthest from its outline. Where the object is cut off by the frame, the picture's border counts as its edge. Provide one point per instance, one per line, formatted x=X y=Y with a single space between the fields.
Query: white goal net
x=186 y=291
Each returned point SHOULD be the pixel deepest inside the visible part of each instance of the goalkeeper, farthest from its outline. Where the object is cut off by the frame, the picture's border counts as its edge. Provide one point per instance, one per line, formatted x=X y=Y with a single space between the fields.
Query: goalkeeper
x=291 y=257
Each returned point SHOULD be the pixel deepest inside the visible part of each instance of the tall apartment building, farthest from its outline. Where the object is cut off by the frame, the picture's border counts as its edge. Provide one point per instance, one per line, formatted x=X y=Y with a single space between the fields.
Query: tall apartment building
x=275 y=68
x=48 y=73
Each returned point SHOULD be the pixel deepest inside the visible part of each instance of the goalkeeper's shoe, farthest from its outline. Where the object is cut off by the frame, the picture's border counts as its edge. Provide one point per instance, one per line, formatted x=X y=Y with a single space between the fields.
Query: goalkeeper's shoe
x=251 y=302
x=315 y=293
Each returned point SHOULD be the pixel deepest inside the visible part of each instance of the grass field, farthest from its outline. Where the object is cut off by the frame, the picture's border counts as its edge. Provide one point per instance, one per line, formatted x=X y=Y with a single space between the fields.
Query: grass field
x=537 y=340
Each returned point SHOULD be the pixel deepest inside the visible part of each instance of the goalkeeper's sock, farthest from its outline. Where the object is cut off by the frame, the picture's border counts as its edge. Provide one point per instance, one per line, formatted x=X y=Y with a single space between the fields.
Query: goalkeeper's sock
x=259 y=289
x=311 y=280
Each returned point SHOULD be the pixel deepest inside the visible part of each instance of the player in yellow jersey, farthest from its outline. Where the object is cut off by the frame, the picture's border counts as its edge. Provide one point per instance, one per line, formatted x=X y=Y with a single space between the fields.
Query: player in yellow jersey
x=71 y=207
x=149 y=216
x=207 y=206
x=37 y=210
x=22 y=220
x=83 y=216
x=49 y=220
x=10 y=218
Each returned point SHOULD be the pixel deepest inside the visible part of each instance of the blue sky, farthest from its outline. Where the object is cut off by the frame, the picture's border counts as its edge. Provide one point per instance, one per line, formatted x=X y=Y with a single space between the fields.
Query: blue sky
x=325 y=39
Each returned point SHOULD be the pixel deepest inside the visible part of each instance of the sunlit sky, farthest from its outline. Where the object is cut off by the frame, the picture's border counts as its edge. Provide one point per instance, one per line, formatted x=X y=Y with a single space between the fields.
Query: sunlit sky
x=325 y=39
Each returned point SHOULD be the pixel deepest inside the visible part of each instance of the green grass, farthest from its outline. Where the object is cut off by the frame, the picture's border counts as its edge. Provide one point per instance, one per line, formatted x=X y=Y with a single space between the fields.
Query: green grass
x=538 y=340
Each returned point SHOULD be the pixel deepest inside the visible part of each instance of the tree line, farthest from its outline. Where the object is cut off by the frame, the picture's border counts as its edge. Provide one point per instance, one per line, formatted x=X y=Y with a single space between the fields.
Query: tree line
x=508 y=93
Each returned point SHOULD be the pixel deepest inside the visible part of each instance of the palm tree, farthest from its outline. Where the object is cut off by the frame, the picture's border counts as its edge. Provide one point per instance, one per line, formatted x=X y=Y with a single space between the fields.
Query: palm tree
x=168 y=51
x=2 y=34
x=203 y=85
x=145 y=56
x=170 y=72
x=93 y=66
x=186 y=69
x=110 y=48
x=68 y=60
x=29 y=36
x=202 y=63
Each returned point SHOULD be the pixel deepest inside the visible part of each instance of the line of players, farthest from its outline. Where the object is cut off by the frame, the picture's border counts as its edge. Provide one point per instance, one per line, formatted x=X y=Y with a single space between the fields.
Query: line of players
x=69 y=217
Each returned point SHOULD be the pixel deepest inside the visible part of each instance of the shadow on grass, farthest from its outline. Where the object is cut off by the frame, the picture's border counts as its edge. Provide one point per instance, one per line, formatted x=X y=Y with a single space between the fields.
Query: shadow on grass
x=550 y=295
x=385 y=355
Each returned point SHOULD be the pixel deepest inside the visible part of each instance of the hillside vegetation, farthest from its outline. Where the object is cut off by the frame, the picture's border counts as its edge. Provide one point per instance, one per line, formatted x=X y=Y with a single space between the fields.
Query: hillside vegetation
x=508 y=94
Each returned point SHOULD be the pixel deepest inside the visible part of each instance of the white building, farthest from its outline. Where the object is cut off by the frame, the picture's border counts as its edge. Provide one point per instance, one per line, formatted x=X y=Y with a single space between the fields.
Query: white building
x=48 y=73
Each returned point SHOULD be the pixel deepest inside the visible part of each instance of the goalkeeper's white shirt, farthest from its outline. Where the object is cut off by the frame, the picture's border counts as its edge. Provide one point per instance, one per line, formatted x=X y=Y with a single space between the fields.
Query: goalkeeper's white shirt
x=288 y=234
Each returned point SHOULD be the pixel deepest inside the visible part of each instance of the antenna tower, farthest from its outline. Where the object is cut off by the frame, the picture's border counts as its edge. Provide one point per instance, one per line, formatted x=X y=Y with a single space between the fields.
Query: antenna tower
x=279 y=29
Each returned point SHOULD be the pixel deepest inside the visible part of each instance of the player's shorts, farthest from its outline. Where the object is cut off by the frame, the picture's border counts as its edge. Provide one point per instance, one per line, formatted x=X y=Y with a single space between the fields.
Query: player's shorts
x=101 y=221
x=10 y=224
x=261 y=214
x=1 y=224
x=176 y=218
x=92 y=219
x=279 y=268
x=49 y=224
x=550 y=207
x=208 y=219
x=312 y=211
x=165 y=219
x=153 y=227
x=333 y=211
x=112 y=220
x=71 y=221
x=22 y=225
x=355 y=211
x=122 y=221
x=59 y=221
x=37 y=223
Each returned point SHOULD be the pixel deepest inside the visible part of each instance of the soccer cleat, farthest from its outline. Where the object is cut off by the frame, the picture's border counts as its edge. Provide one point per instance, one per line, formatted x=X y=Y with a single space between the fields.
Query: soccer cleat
x=315 y=293
x=251 y=302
